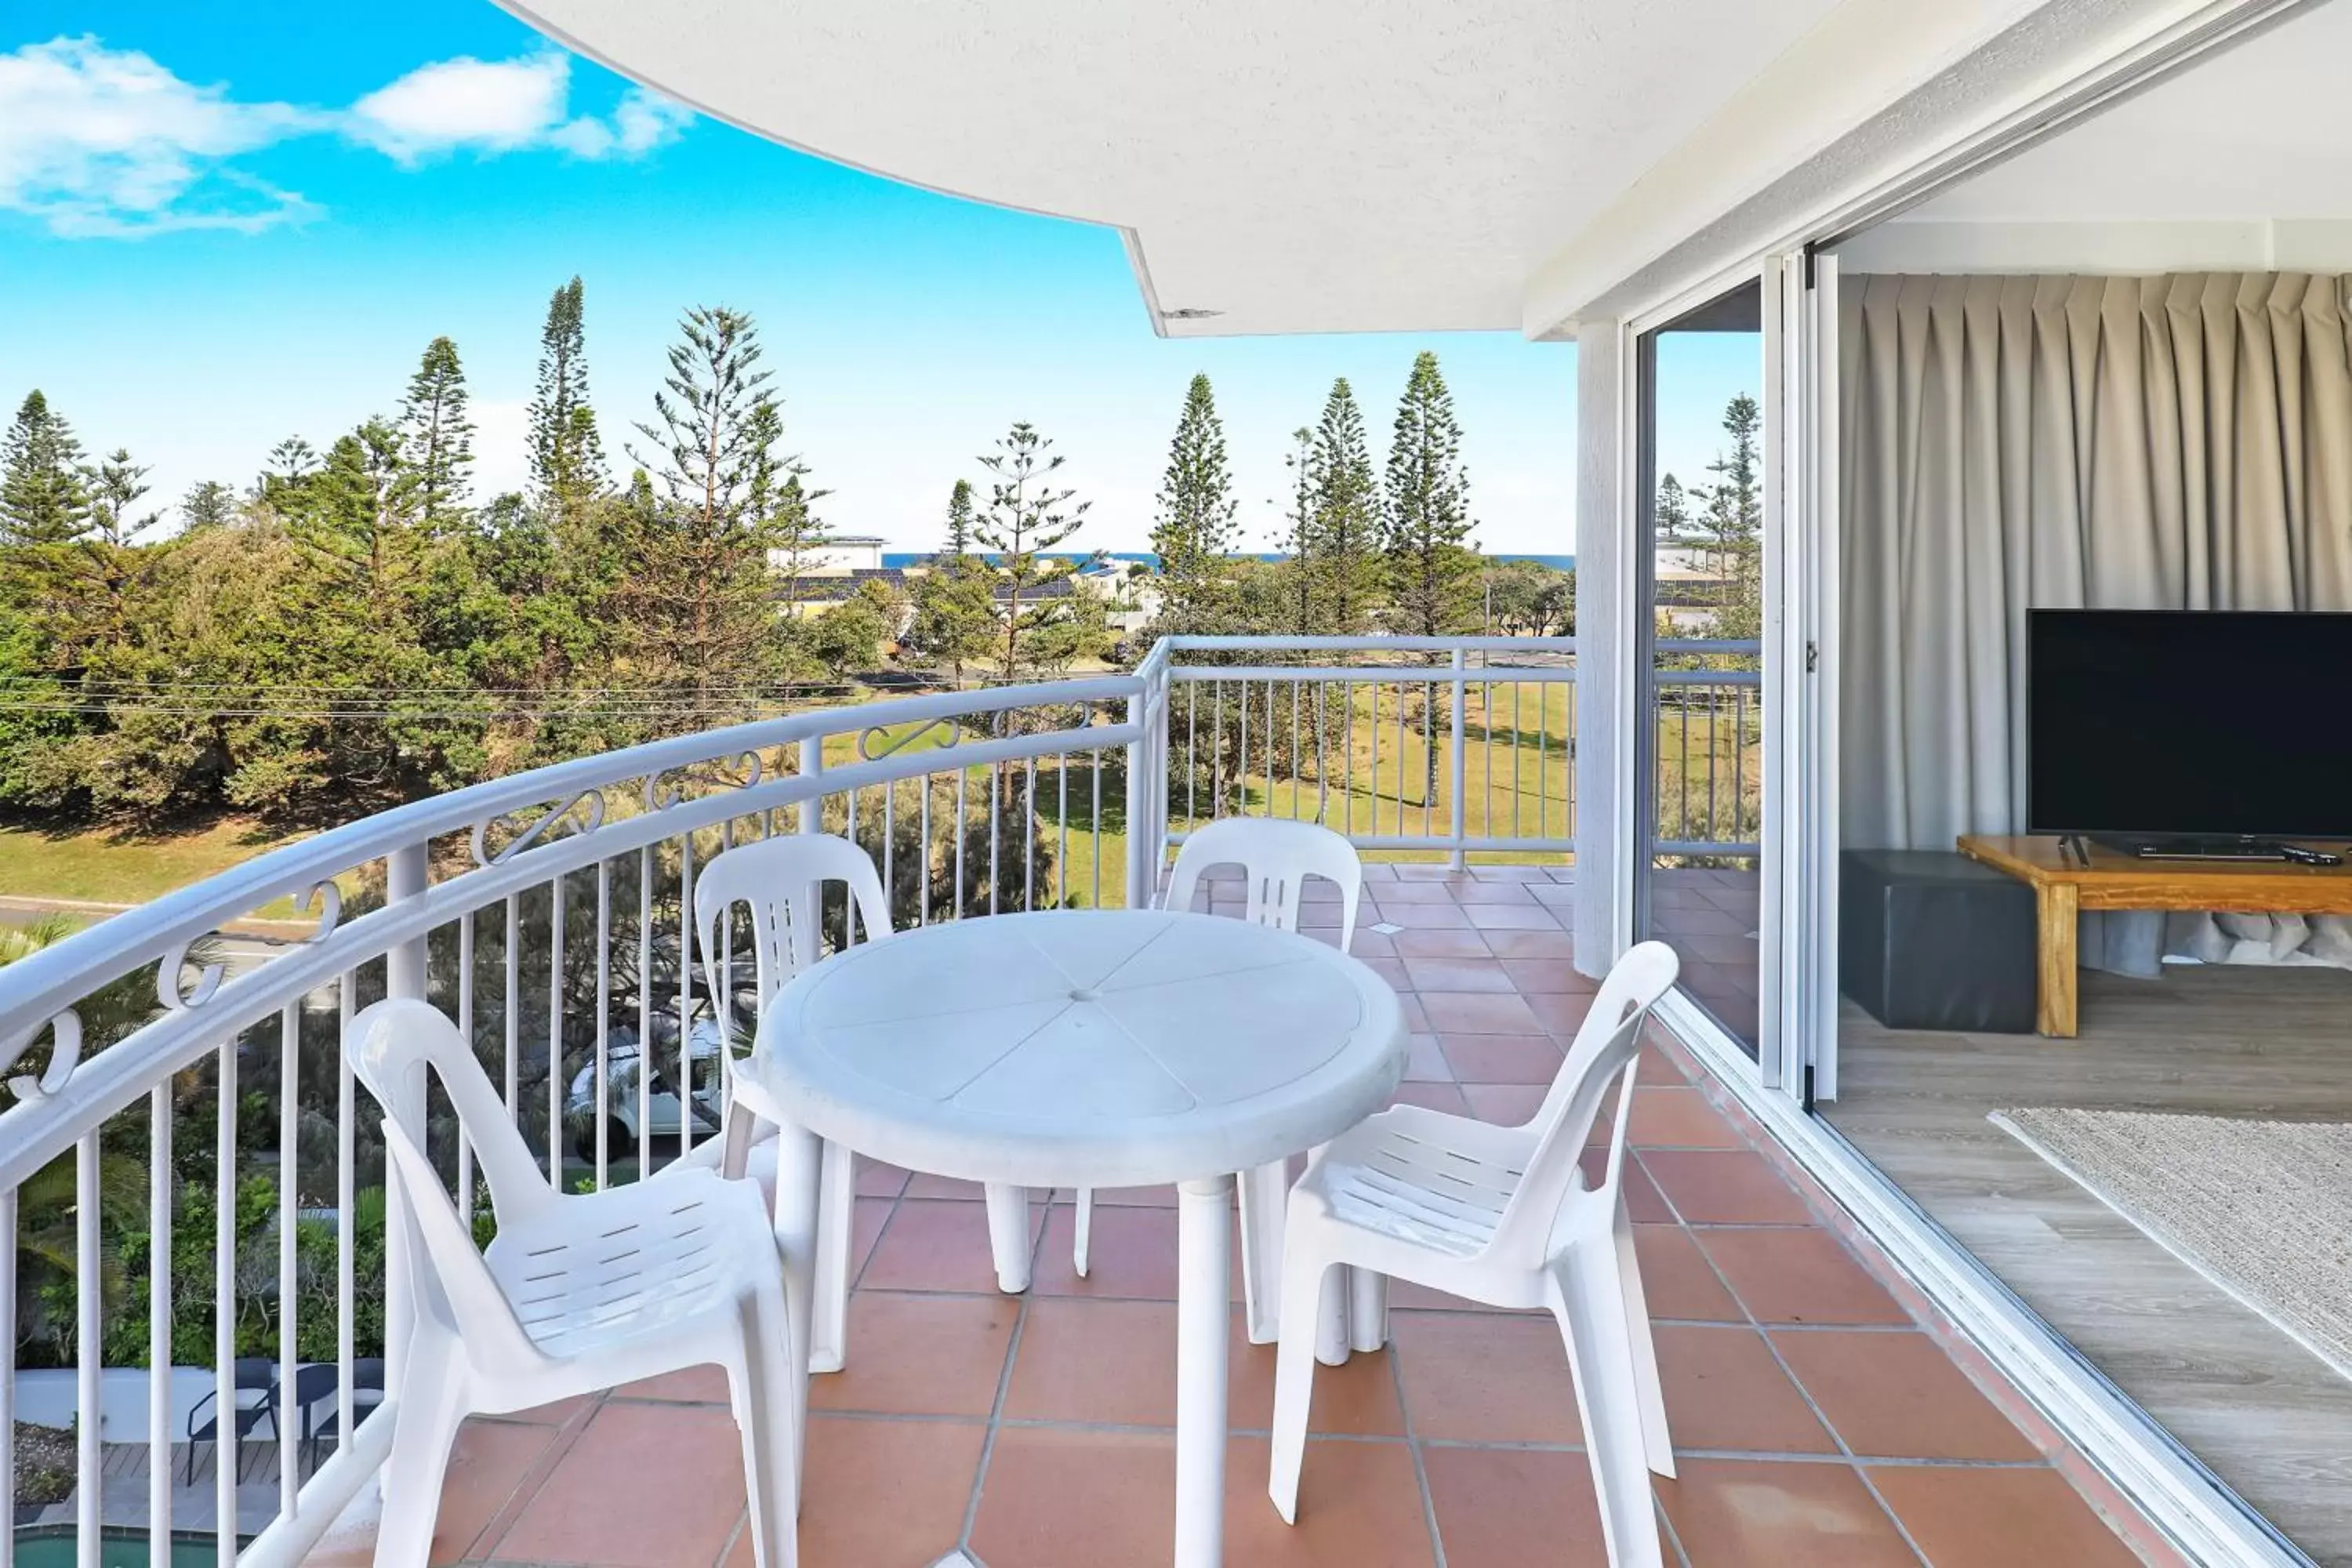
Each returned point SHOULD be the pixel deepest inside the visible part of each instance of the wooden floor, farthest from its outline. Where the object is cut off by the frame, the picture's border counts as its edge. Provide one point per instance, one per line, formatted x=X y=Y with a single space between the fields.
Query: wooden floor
x=2268 y=1416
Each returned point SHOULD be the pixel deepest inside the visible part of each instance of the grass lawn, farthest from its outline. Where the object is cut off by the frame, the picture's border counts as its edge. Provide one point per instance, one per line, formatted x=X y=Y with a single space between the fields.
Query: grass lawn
x=108 y=867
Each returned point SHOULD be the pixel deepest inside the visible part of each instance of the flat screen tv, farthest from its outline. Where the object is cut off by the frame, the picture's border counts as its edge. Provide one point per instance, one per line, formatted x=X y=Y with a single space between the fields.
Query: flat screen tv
x=2166 y=725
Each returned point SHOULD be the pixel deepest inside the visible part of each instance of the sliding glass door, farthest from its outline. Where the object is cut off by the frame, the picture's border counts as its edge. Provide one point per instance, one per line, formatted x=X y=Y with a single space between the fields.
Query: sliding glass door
x=1704 y=619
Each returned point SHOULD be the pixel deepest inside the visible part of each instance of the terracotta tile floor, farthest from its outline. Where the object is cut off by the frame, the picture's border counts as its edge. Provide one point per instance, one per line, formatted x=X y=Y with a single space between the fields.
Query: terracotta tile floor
x=1817 y=1425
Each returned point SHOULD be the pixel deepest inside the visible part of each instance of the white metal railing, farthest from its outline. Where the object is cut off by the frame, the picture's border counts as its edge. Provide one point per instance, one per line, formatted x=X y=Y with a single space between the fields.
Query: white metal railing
x=1459 y=745
x=154 y=1080
x=1708 y=739
x=548 y=913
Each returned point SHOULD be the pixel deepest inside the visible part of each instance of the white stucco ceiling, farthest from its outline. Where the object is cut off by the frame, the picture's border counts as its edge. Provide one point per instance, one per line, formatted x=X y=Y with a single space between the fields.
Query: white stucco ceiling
x=2261 y=131
x=1304 y=165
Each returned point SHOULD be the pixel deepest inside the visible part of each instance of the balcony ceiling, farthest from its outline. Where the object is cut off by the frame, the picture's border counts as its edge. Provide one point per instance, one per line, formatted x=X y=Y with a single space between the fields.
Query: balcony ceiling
x=1321 y=165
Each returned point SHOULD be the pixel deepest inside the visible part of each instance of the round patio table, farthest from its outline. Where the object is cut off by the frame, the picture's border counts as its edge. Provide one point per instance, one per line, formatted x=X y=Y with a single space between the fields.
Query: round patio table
x=1086 y=1048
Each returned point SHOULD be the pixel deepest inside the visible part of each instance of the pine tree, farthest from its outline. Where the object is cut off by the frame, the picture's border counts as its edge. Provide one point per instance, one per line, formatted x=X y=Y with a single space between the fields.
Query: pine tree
x=1297 y=540
x=1346 y=506
x=209 y=504
x=700 y=592
x=1432 y=570
x=779 y=507
x=955 y=602
x=1731 y=522
x=353 y=507
x=567 y=456
x=44 y=499
x=1026 y=515
x=1195 y=532
x=115 y=484
x=1672 y=520
x=960 y=521
x=107 y=558
x=437 y=439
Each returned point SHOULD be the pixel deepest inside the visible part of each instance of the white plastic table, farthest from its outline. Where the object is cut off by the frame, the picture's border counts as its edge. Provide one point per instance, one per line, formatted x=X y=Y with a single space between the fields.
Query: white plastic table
x=1097 y=1048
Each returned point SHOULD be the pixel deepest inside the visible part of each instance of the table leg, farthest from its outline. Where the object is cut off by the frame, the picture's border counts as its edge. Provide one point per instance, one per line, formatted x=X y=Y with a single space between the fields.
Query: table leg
x=1264 y=1202
x=1009 y=1237
x=837 y=1217
x=2059 y=906
x=1203 y=1280
x=799 y=1158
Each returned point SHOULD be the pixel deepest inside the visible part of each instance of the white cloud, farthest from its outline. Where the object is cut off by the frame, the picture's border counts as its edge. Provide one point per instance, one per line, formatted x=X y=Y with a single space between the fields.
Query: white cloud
x=100 y=141
x=104 y=141
x=505 y=106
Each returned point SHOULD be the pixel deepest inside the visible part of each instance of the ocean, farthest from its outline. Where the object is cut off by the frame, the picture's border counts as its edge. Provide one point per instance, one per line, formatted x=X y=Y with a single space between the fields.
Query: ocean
x=917 y=557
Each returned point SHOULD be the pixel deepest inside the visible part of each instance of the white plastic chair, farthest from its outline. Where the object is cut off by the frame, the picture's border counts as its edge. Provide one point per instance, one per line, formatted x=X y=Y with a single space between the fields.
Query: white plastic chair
x=578 y=1292
x=781 y=880
x=1503 y=1215
x=1277 y=859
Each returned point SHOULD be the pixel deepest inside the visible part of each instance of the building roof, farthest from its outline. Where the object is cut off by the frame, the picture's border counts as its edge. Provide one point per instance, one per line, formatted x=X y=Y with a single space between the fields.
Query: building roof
x=833 y=586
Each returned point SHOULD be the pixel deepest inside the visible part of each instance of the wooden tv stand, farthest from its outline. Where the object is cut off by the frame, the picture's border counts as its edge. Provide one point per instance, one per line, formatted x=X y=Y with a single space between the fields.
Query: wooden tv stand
x=2063 y=886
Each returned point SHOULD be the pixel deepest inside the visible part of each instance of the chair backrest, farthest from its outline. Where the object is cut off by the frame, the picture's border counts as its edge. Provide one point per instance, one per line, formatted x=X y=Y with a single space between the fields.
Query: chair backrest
x=1605 y=1048
x=782 y=879
x=1277 y=858
x=390 y=1046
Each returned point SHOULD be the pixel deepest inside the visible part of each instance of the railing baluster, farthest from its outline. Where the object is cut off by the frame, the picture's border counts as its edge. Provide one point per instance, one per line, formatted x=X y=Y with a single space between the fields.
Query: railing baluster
x=1714 y=746
x=89 y=1336
x=686 y=993
x=1322 y=774
x=962 y=833
x=1346 y=761
x=889 y=847
x=289 y=1134
x=995 y=831
x=161 y=1182
x=556 y=1083
x=1429 y=750
x=1134 y=829
x=1029 y=836
x=645 y=1012
x=1297 y=792
x=1241 y=770
x=466 y=1028
x=603 y=1071
x=1739 y=764
x=226 y=1447
x=1062 y=864
x=1192 y=754
x=8 y=1374
x=923 y=872
x=346 y=1212
x=511 y=998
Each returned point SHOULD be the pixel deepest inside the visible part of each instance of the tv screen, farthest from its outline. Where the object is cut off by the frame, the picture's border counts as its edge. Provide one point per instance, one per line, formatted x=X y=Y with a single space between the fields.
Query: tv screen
x=2153 y=723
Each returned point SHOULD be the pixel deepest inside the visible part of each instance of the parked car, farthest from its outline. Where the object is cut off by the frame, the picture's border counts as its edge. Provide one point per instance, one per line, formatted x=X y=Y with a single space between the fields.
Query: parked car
x=665 y=1110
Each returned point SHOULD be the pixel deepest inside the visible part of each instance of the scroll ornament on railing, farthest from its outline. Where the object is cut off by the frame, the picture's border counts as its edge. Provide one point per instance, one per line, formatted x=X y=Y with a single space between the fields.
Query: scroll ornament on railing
x=666 y=789
x=590 y=803
x=1001 y=725
x=172 y=988
x=65 y=1055
x=877 y=744
x=175 y=992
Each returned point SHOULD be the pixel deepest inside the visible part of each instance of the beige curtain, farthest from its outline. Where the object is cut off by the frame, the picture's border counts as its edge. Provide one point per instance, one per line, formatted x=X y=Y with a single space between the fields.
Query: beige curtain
x=2015 y=443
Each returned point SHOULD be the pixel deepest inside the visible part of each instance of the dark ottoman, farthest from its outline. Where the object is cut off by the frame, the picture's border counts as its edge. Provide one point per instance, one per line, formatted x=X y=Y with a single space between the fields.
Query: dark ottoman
x=1934 y=941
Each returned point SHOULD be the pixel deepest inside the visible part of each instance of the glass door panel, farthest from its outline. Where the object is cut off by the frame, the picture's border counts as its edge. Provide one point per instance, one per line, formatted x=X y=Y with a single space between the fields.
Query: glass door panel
x=1701 y=478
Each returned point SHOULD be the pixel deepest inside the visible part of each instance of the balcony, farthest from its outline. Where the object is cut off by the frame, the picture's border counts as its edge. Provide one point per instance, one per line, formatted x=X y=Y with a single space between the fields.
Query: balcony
x=1821 y=1413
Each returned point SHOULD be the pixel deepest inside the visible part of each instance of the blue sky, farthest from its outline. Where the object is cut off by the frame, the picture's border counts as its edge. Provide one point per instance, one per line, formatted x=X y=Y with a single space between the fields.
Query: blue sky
x=223 y=226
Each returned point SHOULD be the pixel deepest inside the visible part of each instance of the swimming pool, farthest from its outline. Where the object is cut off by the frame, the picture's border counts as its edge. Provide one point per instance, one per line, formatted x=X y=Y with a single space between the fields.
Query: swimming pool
x=54 y=1548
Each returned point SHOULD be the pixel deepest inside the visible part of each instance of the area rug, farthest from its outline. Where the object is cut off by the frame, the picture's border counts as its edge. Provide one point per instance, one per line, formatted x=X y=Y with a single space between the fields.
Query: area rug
x=2263 y=1209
